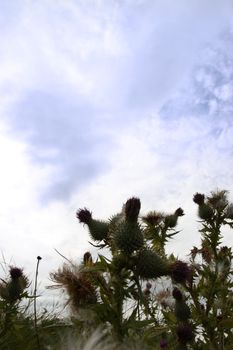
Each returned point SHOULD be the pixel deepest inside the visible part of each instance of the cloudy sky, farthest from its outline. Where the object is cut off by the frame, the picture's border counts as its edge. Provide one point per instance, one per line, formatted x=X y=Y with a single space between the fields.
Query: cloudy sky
x=104 y=99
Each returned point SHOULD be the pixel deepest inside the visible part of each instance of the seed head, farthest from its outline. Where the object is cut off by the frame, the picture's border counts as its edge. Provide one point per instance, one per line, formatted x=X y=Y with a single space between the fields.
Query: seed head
x=218 y=200
x=152 y=218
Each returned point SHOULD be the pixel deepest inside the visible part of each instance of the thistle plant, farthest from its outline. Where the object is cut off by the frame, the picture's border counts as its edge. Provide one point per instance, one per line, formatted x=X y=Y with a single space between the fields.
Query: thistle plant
x=136 y=295
x=20 y=325
x=196 y=311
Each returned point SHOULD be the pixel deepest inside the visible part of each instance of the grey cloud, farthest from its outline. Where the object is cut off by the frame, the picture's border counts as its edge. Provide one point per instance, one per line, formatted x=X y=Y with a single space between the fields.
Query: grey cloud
x=63 y=134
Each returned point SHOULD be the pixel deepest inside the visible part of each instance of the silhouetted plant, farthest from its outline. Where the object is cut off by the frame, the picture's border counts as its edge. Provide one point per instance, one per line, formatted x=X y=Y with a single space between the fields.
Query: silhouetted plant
x=197 y=305
x=134 y=294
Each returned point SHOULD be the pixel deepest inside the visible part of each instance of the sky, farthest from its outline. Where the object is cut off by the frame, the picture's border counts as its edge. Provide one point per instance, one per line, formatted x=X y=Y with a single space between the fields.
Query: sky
x=104 y=100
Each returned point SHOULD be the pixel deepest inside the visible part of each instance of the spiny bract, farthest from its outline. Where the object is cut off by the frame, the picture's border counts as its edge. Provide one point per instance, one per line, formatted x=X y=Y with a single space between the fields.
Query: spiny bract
x=150 y=265
x=127 y=237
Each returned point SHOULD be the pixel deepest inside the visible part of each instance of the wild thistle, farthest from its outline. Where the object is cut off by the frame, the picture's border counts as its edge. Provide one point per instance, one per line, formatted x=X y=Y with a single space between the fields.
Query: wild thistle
x=77 y=284
x=98 y=229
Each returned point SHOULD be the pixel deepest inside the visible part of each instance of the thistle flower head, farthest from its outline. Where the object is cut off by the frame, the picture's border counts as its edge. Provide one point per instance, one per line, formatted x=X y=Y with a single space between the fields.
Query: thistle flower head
x=132 y=208
x=179 y=212
x=218 y=199
x=199 y=198
x=153 y=218
x=84 y=216
x=77 y=284
x=163 y=343
x=180 y=272
x=148 y=285
x=177 y=294
x=164 y=298
x=184 y=333
x=16 y=273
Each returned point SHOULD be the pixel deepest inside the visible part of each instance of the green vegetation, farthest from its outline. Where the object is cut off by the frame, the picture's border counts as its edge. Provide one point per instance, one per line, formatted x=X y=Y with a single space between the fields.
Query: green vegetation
x=134 y=295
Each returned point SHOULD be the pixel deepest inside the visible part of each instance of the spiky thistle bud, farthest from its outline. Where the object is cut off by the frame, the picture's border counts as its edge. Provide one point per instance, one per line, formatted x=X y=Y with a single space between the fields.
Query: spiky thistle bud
x=199 y=198
x=87 y=258
x=182 y=311
x=122 y=261
x=180 y=272
x=127 y=237
x=205 y=212
x=132 y=209
x=150 y=265
x=14 y=288
x=170 y=220
x=97 y=229
x=147 y=292
x=185 y=333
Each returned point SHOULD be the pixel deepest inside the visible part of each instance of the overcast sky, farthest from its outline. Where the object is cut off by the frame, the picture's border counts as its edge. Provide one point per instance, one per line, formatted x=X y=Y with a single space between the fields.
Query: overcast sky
x=103 y=100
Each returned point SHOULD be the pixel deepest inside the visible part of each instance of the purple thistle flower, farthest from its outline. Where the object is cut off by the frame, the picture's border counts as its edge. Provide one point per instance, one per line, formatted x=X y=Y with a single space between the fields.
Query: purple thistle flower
x=185 y=333
x=199 y=198
x=132 y=208
x=163 y=343
x=180 y=272
x=84 y=215
x=179 y=212
x=177 y=295
x=16 y=273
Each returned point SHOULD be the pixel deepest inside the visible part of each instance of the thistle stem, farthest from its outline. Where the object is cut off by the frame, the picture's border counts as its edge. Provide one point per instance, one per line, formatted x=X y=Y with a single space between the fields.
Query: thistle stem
x=35 y=306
